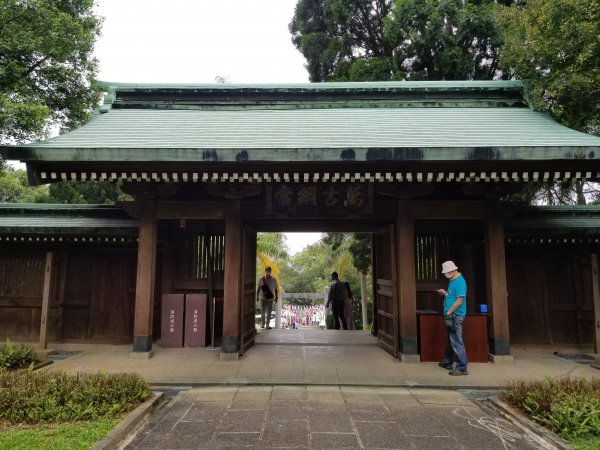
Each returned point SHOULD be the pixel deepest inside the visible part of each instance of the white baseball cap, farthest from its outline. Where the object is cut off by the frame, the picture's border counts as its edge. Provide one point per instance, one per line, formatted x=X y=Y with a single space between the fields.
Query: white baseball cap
x=448 y=266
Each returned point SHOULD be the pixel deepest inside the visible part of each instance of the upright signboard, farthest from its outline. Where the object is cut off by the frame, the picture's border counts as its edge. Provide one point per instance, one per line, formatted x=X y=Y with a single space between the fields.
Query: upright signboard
x=172 y=321
x=195 y=320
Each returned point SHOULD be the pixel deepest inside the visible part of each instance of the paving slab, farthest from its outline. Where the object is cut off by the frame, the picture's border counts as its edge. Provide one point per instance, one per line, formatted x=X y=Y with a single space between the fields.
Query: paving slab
x=289 y=421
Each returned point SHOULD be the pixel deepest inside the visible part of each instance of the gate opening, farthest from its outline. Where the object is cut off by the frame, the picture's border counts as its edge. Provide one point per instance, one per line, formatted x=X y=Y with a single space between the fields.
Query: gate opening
x=302 y=264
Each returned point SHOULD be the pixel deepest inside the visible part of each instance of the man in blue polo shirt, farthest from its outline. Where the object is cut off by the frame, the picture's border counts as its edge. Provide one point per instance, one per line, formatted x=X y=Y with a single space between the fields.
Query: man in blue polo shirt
x=455 y=310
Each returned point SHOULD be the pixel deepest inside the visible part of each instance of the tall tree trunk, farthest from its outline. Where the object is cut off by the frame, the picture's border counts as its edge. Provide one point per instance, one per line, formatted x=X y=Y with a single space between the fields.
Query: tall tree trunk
x=580 y=194
x=363 y=298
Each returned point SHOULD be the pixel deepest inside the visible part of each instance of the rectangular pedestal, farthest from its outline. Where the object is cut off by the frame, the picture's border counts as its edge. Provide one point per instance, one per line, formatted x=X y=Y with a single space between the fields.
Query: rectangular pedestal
x=432 y=337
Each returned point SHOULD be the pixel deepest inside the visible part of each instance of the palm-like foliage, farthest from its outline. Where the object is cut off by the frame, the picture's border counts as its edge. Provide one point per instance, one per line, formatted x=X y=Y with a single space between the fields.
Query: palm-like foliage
x=270 y=249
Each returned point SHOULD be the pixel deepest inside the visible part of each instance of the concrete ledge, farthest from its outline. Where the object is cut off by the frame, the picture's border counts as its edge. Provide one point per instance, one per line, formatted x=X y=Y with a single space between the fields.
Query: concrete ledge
x=409 y=358
x=595 y=356
x=527 y=425
x=229 y=356
x=131 y=423
x=500 y=359
x=141 y=355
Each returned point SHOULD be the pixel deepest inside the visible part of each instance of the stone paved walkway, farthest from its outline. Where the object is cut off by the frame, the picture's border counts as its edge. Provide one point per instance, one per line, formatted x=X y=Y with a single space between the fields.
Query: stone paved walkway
x=327 y=417
x=332 y=364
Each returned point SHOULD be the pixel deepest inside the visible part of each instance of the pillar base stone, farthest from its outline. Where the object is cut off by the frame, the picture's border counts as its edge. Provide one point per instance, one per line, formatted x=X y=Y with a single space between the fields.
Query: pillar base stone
x=409 y=357
x=500 y=359
x=408 y=345
x=141 y=355
x=142 y=344
x=231 y=344
x=229 y=356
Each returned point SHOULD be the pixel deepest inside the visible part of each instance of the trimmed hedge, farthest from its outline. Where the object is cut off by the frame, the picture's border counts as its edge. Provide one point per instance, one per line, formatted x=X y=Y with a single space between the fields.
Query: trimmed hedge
x=36 y=397
x=568 y=407
x=15 y=356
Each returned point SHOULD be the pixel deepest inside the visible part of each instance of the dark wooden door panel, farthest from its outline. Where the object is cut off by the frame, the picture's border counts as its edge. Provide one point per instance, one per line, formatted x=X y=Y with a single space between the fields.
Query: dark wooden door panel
x=248 y=286
x=526 y=302
x=386 y=290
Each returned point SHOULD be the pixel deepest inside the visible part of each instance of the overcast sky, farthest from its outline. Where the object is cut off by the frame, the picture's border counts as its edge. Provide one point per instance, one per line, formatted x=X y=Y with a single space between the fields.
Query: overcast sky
x=194 y=41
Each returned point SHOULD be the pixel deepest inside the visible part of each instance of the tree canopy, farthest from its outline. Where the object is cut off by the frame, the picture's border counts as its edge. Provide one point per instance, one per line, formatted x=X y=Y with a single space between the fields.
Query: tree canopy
x=47 y=67
x=271 y=250
x=15 y=189
x=554 y=47
x=370 y=40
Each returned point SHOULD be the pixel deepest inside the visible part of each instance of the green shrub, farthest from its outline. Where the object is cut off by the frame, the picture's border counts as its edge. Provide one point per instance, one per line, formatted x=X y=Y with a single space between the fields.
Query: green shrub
x=34 y=397
x=569 y=407
x=329 y=321
x=15 y=356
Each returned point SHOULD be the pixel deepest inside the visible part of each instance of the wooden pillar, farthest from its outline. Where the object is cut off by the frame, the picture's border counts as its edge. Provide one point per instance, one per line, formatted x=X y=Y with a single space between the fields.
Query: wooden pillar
x=596 y=297
x=169 y=263
x=497 y=293
x=407 y=288
x=48 y=270
x=60 y=295
x=146 y=272
x=233 y=275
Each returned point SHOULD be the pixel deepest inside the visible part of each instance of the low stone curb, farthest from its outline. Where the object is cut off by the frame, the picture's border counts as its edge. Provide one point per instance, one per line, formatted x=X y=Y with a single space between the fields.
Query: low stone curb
x=523 y=422
x=224 y=383
x=42 y=364
x=130 y=424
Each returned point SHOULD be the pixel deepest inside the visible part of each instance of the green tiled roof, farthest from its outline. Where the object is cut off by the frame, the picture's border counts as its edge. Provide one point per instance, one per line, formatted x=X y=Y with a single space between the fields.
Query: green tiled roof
x=400 y=121
x=582 y=219
x=321 y=128
x=65 y=220
x=327 y=86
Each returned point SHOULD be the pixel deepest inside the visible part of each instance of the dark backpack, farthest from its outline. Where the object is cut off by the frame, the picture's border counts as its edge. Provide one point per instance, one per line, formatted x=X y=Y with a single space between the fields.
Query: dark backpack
x=338 y=294
x=266 y=290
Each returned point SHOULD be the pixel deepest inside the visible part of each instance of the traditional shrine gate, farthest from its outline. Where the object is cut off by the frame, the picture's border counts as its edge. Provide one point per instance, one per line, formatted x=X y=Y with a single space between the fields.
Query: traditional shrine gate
x=425 y=166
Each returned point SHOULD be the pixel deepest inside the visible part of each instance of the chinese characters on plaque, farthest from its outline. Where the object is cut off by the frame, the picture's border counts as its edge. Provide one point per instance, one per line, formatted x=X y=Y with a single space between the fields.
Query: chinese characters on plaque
x=172 y=321
x=322 y=198
x=195 y=321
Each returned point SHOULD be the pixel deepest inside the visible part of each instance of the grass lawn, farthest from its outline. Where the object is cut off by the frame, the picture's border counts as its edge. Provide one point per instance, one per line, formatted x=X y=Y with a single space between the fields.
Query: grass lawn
x=592 y=443
x=72 y=436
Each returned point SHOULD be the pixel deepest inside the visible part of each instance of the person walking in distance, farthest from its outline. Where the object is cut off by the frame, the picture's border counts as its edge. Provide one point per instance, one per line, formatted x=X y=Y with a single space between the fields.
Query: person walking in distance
x=455 y=310
x=337 y=298
x=267 y=292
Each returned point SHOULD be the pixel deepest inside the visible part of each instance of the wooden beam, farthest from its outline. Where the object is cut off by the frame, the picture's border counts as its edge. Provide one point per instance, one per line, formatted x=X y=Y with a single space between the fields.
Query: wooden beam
x=233 y=275
x=146 y=268
x=48 y=271
x=179 y=209
x=407 y=289
x=191 y=210
x=497 y=292
x=449 y=210
x=596 y=297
